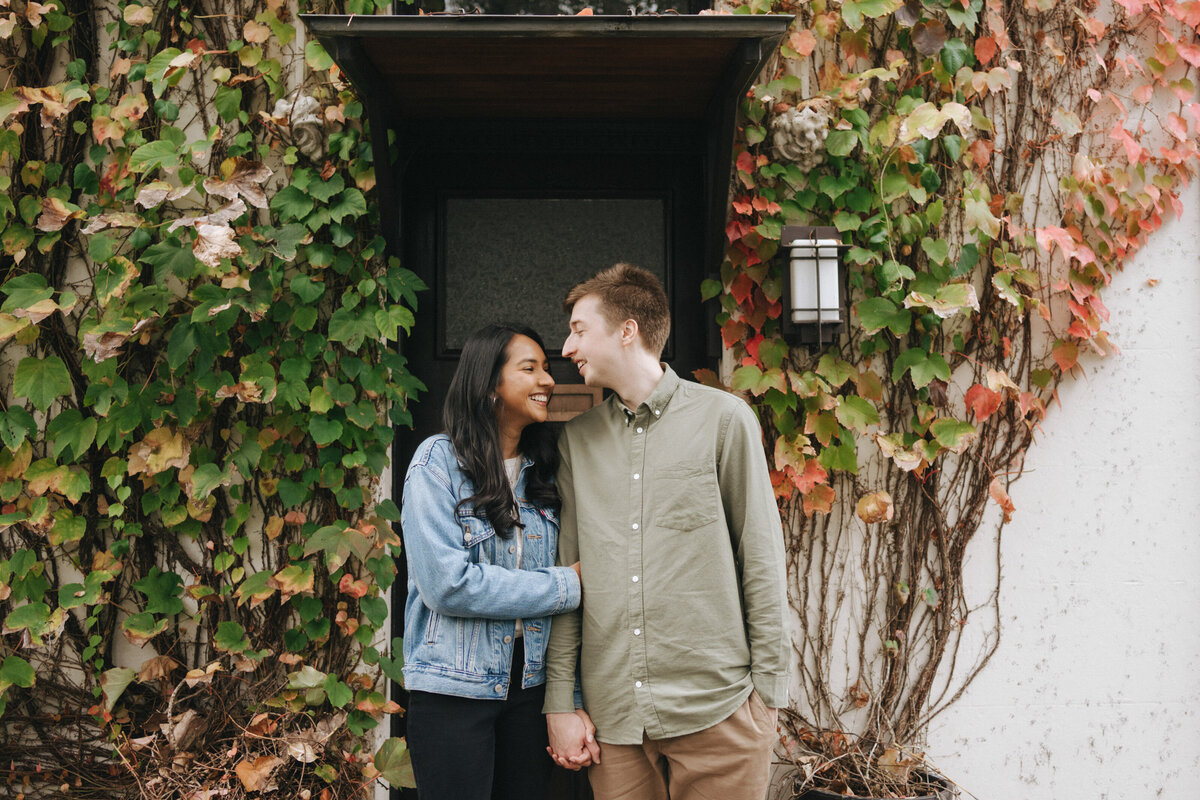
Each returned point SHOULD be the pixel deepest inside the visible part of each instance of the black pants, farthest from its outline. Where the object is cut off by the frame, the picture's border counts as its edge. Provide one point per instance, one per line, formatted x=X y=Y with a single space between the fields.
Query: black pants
x=466 y=749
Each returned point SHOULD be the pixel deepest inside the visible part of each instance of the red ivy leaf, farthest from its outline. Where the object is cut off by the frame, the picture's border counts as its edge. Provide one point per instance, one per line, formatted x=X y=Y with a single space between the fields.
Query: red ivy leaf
x=983 y=402
x=1000 y=496
x=985 y=49
x=732 y=332
x=819 y=500
x=1066 y=354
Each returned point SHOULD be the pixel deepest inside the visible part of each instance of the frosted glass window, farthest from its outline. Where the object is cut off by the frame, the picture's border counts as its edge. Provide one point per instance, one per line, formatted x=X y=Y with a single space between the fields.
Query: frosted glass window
x=515 y=259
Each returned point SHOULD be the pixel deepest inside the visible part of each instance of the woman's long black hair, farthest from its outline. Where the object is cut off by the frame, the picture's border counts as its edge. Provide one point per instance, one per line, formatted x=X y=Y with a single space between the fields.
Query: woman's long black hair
x=469 y=417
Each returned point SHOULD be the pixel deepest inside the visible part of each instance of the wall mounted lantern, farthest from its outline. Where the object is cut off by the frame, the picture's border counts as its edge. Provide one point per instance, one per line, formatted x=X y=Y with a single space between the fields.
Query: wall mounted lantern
x=814 y=278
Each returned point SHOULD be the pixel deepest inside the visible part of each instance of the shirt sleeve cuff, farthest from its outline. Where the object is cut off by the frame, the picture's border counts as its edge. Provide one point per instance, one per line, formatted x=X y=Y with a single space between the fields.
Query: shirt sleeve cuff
x=560 y=698
x=772 y=689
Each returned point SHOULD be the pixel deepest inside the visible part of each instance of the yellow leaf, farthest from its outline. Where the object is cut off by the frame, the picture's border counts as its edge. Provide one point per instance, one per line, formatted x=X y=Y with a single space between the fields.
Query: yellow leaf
x=255 y=774
x=138 y=14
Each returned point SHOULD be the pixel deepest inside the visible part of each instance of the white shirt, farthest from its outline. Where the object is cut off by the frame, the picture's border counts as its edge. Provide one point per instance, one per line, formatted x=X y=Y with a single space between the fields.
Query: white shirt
x=512 y=466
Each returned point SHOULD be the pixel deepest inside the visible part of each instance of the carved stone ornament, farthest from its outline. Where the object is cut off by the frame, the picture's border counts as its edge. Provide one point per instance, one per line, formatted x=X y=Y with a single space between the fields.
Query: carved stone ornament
x=798 y=135
x=301 y=115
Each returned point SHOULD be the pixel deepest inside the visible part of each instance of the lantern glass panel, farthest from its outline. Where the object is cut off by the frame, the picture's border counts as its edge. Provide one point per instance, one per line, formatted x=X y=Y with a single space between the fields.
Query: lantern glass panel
x=815 y=281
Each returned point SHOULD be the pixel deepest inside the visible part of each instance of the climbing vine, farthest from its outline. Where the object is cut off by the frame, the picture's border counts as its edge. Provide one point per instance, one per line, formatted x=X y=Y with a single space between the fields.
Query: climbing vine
x=198 y=401
x=989 y=166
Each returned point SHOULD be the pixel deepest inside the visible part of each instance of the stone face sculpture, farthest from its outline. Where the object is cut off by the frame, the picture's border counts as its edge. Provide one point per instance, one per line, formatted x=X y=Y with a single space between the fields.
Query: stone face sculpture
x=301 y=115
x=798 y=135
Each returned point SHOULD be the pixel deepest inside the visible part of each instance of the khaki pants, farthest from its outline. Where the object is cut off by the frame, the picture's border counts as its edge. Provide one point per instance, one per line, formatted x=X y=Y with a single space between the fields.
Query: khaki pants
x=729 y=761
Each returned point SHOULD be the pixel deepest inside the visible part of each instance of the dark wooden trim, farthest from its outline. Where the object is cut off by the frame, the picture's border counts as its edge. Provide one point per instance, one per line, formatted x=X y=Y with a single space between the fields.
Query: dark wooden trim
x=330 y=26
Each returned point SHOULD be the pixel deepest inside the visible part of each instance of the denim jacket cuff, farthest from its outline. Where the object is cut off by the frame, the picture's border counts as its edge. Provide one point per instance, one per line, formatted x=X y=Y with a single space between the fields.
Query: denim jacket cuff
x=569 y=589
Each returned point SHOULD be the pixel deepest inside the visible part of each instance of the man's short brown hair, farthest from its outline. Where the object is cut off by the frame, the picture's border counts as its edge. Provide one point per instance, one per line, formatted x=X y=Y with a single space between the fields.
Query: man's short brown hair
x=629 y=292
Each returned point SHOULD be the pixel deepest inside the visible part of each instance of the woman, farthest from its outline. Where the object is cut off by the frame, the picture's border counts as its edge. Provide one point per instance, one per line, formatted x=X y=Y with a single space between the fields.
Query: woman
x=480 y=521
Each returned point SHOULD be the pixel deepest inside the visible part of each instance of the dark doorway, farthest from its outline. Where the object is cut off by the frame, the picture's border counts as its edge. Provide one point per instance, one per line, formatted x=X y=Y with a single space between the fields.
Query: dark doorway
x=503 y=234
x=500 y=223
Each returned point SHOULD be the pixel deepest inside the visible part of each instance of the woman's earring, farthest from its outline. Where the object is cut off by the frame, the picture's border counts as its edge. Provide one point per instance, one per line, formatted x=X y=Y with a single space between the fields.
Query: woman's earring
x=494 y=399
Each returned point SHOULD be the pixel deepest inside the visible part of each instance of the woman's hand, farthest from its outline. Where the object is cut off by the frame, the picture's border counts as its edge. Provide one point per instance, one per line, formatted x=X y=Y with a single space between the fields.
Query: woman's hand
x=573 y=742
x=578 y=573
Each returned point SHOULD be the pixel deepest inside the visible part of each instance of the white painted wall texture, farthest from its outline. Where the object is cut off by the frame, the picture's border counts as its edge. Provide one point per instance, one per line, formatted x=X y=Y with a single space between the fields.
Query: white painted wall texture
x=1094 y=693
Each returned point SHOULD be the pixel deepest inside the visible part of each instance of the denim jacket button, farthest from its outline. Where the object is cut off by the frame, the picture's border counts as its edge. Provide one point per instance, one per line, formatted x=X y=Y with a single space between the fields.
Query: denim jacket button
x=499 y=688
x=507 y=639
x=466 y=537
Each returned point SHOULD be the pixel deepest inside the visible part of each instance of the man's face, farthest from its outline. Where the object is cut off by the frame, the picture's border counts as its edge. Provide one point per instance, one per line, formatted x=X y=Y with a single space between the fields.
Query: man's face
x=593 y=345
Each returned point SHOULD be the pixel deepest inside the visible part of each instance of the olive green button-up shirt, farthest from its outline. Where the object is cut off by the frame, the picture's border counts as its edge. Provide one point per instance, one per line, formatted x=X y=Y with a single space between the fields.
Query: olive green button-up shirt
x=670 y=512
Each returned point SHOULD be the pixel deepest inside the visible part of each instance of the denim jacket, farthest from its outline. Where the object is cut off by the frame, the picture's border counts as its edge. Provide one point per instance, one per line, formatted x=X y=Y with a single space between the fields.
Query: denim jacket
x=465 y=591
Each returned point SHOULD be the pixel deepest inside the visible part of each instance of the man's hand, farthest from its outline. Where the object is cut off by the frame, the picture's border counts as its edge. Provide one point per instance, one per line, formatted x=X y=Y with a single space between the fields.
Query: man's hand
x=573 y=742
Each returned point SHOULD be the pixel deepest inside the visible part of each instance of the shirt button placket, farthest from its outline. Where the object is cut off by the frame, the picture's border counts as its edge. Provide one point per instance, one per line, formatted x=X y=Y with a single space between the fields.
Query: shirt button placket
x=636 y=556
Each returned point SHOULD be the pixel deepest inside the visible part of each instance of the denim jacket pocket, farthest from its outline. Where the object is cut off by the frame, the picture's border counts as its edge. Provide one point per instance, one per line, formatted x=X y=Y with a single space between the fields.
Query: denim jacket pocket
x=431 y=627
x=477 y=532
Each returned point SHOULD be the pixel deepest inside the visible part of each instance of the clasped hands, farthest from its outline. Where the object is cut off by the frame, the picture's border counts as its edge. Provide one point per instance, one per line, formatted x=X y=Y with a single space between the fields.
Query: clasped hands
x=573 y=742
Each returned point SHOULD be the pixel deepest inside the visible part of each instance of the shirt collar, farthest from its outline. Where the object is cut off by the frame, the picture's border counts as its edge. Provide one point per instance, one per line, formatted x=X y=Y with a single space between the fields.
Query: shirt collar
x=657 y=402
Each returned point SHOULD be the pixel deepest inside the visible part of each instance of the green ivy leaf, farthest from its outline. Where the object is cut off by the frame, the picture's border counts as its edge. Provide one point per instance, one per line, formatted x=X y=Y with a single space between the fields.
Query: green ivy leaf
x=290 y=203
x=955 y=55
x=158 y=153
x=841 y=143
x=74 y=484
x=16 y=671
x=141 y=628
x=15 y=426
x=938 y=250
x=324 y=430
x=952 y=434
x=158 y=67
x=323 y=190
x=772 y=352
x=24 y=291
x=228 y=102
x=31 y=617
x=288 y=238
x=206 y=478
x=351 y=203
x=306 y=289
x=375 y=609
x=162 y=591
x=67 y=527
x=924 y=367
x=877 y=313
x=316 y=57
x=339 y=694
x=230 y=637
x=395 y=764
x=71 y=434
x=306 y=677
x=42 y=380
x=338 y=542
x=170 y=257
x=856 y=413
x=841 y=457
x=113 y=684
x=835 y=370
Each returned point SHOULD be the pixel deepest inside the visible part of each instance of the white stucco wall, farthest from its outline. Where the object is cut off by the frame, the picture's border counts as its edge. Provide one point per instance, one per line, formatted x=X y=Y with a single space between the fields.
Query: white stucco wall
x=1094 y=693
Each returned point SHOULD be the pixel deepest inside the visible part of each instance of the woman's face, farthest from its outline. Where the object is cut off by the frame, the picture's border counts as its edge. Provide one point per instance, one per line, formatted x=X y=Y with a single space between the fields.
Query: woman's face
x=525 y=386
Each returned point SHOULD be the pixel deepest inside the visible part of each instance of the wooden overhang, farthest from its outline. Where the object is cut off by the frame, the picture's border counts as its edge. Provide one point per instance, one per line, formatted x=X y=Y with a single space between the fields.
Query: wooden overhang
x=652 y=69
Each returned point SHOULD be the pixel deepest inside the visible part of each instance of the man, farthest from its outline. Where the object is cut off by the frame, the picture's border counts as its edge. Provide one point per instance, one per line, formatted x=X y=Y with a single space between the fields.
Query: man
x=681 y=642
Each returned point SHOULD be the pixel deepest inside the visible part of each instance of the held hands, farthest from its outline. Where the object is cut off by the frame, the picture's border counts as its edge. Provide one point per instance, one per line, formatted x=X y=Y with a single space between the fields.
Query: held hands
x=573 y=742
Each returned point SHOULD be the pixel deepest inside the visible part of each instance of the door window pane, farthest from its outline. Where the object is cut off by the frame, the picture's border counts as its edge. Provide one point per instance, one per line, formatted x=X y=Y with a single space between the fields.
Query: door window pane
x=515 y=259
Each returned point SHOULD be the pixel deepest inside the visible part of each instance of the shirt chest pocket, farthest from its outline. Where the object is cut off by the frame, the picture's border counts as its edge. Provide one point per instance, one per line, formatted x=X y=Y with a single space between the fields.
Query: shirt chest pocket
x=687 y=495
